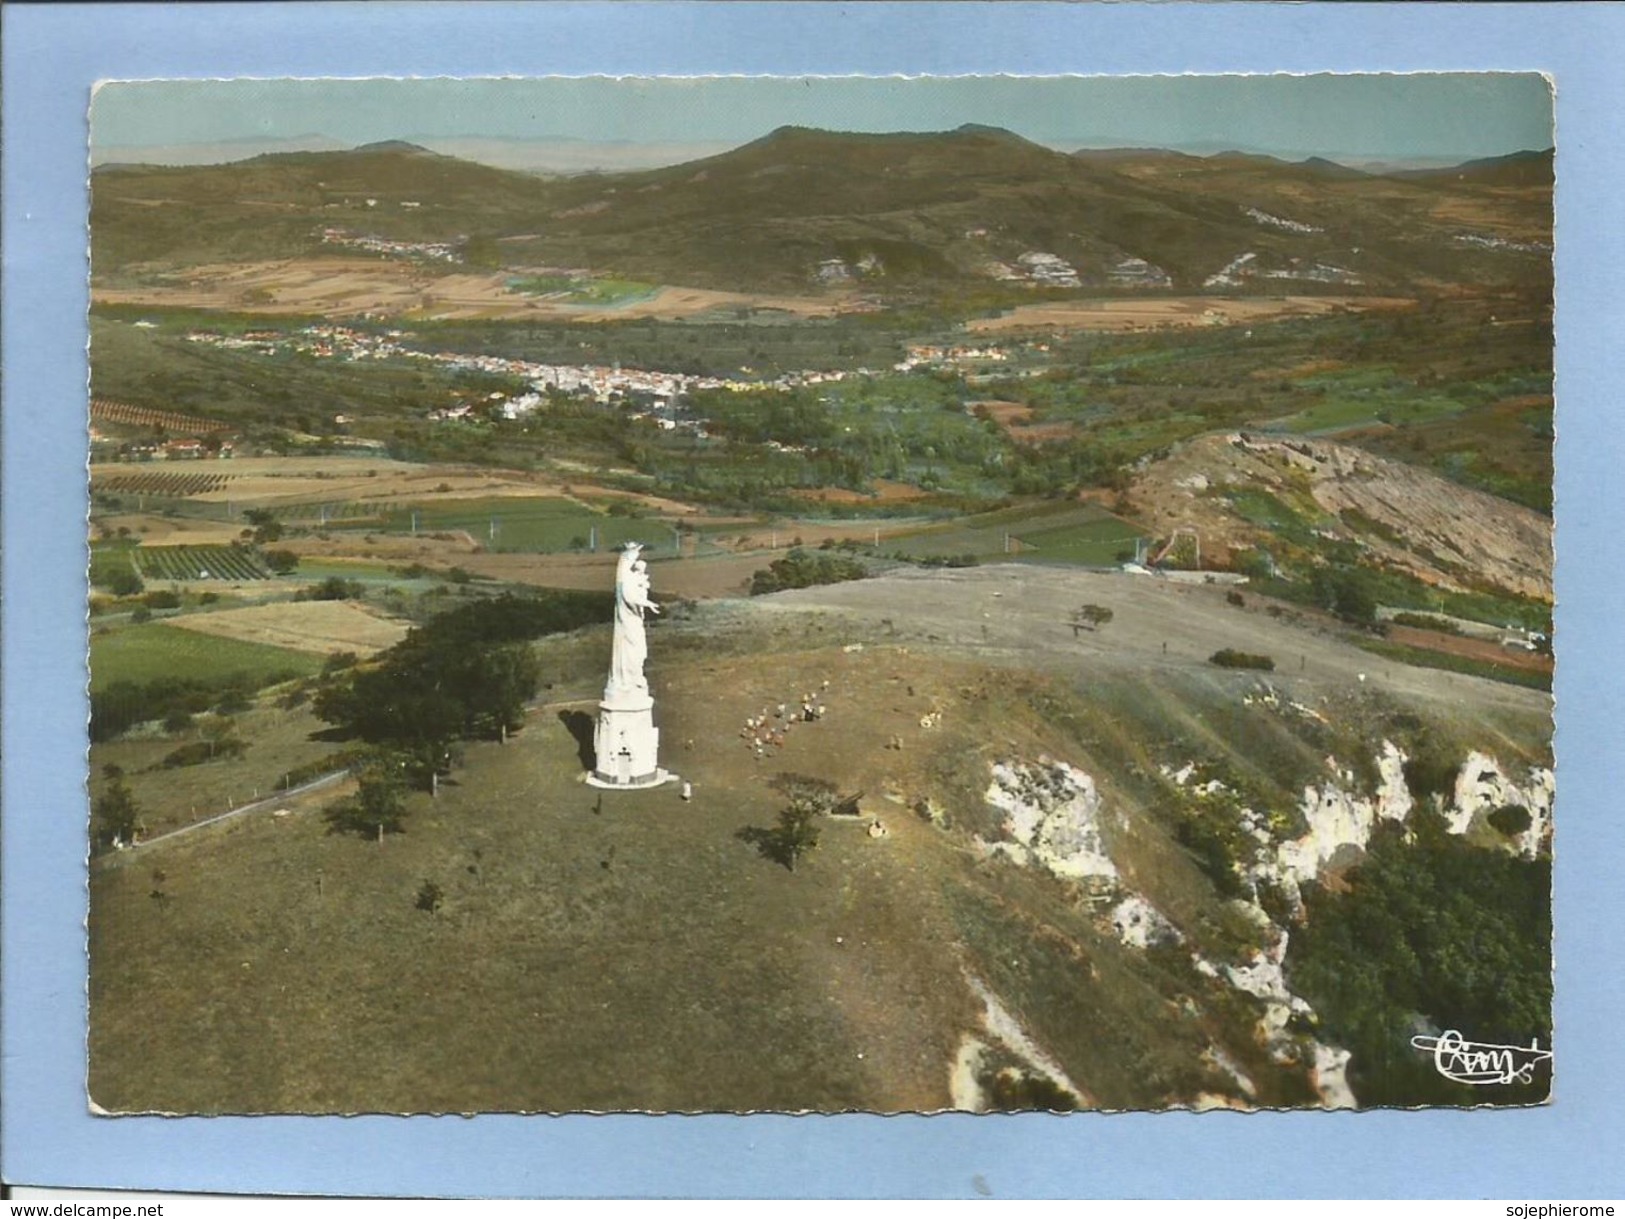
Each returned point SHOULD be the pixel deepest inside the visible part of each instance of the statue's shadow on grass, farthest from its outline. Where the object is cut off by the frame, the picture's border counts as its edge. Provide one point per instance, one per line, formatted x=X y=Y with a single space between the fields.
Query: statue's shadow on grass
x=579 y=725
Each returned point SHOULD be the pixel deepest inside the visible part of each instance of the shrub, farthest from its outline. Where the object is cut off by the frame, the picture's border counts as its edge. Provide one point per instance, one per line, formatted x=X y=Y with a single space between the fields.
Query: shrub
x=1230 y=658
x=321 y=766
x=162 y=598
x=141 y=614
x=332 y=589
x=1349 y=592
x=429 y=897
x=1431 y=771
x=804 y=791
x=196 y=753
x=1091 y=617
x=377 y=807
x=122 y=582
x=337 y=662
x=1013 y=1091
x=1511 y=819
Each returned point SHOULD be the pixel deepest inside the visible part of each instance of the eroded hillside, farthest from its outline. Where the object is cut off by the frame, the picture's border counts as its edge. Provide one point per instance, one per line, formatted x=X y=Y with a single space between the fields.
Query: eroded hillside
x=1248 y=490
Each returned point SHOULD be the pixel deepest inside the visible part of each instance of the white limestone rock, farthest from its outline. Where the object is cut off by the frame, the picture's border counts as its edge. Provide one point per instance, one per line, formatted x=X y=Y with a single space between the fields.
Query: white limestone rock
x=1052 y=810
x=1139 y=924
x=1482 y=786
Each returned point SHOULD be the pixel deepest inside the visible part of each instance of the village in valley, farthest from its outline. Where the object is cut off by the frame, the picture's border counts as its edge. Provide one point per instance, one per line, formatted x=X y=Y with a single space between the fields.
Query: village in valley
x=891 y=621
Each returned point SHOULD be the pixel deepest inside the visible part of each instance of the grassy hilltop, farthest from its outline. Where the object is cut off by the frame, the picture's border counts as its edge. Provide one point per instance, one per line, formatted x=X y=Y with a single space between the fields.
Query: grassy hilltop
x=638 y=951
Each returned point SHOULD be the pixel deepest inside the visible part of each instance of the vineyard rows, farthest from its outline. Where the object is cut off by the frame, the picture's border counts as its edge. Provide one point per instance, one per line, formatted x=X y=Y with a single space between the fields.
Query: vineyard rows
x=108 y=411
x=199 y=563
x=170 y=483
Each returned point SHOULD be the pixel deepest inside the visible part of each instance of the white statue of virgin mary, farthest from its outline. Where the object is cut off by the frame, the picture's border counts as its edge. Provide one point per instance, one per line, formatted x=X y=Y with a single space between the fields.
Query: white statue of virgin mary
x=631 y=647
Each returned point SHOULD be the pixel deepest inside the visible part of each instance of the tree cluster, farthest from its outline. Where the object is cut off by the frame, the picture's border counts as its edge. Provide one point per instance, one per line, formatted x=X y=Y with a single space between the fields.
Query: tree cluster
x=1431 y=934
x=799 y=569
x=463 y=674
x=122 y=704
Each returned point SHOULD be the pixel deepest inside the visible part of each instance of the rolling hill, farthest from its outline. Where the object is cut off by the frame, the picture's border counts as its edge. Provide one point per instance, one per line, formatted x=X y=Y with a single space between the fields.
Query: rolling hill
x=802 y=207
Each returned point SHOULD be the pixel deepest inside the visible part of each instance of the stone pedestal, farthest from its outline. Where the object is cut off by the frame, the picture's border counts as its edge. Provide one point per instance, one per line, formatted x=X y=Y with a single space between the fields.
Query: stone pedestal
x=627 y=743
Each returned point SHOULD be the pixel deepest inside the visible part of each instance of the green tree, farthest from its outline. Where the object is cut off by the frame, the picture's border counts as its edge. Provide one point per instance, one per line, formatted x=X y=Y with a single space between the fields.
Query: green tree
x=1349 y=592
x=266 y=528
x=216 y=729
x=468 y=672
x=117 y=816
x=500 y=682
x=796 y=833
x=378 y=807
x=122 y=582
x=791 y=837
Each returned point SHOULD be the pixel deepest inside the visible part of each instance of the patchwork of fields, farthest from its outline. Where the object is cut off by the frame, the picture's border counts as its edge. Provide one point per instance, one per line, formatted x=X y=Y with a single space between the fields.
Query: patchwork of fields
x=319 y=627
x=153 y=651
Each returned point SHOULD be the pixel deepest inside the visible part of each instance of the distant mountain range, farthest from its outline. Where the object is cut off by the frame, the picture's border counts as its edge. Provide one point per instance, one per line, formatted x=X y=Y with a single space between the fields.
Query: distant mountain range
x=555 y=155
x=801 y=208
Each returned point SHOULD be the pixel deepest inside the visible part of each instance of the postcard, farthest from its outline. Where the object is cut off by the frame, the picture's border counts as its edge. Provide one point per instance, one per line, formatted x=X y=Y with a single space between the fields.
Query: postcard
x=830 y=594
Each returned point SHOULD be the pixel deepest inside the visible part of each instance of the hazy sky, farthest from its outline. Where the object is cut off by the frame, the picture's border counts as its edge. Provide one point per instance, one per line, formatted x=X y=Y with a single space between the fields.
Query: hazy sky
x=1373 y=116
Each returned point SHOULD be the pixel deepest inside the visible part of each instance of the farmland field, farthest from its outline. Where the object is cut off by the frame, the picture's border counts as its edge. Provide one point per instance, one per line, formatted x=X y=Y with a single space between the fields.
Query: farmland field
x=1092 y=543
x=176 y=484
x=200 y=563
x=303 y=626
x=1121 y=314
x=342 y=514
x=349 y=287
x=1338 y=414
x=533 y=524
x=1082 y=534
x=581 y=291
x=109 y=559
x=106 y=410
x=156 y=650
